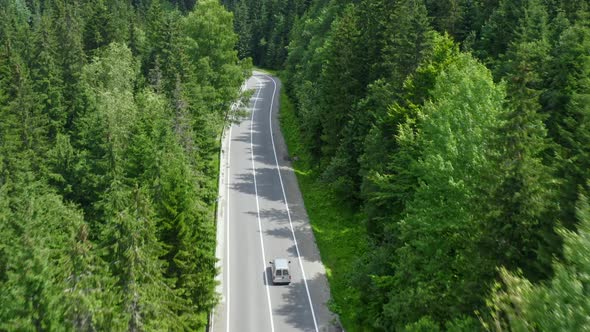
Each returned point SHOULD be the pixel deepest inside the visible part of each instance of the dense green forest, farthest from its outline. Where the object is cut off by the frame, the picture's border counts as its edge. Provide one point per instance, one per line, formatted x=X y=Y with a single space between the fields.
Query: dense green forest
x=460 y=131
x=110 y=118
x=263 y=28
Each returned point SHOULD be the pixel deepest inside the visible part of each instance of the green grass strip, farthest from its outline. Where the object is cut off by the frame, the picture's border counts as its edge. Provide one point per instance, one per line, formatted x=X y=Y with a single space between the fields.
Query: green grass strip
x=338 y=230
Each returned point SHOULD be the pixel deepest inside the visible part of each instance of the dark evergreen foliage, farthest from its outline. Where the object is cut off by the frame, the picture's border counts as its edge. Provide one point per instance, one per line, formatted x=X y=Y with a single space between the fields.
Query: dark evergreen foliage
x=110 y=114
x=263 y=28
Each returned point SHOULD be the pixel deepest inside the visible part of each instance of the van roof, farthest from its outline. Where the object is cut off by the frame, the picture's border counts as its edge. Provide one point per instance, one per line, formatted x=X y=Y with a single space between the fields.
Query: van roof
x=281 y=263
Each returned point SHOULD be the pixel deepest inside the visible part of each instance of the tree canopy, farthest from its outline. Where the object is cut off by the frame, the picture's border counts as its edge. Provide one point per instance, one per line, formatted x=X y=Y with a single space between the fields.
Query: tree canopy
x=110 y=116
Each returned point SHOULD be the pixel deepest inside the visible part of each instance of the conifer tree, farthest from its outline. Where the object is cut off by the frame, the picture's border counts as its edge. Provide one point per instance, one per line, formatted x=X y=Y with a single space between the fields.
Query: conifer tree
x=521 y=185
x=43 y=288
x=25 y=126
x=567 y=105
x=47 y=77
x=243 y=27
x=106 y=189
x=499 y=31
x=156 y=156
x=102 y=131
x=339 y=84
x=68 y=28
x=90 y=300
x=406 y=39
x=129 y=237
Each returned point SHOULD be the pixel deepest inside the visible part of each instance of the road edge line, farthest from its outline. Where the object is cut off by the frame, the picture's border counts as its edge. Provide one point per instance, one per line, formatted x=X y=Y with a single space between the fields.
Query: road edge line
x=287 y=204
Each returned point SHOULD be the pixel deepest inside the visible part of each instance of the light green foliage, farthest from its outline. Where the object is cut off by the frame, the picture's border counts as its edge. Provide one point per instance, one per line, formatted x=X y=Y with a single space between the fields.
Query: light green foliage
x=108 y=83
x=559 y=304
x=443 y=278
x=423 y=325
x=388 y=182
x=211 y=48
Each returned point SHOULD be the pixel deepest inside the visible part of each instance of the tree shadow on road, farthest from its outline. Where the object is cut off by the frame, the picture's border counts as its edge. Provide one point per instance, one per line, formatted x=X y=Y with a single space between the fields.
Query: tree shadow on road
x=296 y=310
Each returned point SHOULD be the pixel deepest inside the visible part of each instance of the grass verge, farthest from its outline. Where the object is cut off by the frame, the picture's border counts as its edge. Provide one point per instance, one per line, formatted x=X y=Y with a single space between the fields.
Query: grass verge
x=338 y=231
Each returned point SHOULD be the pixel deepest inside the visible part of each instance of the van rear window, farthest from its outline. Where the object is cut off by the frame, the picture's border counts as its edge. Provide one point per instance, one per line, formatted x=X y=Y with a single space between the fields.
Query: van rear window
x=285 y=272
x=278 y=273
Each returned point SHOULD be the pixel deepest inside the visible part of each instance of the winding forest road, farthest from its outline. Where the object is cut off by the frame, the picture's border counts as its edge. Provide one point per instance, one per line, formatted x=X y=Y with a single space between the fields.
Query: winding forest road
x=261 y=216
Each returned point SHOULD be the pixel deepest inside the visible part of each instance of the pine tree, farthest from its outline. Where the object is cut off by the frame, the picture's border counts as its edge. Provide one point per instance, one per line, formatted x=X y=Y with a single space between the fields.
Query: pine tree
x=567 y=105
x=107 y=188
x=406 y=39
x=65 y=15
x=339 y=84
x=90 y=303
x=47 y=77
x=448 y=16
x=43 y=288
x=102 y=132
x=243 y=27
x=25 y=126
x=500 y=30
x=521 y=186
x=184 y=227
x=307 y=47
x=129 y=238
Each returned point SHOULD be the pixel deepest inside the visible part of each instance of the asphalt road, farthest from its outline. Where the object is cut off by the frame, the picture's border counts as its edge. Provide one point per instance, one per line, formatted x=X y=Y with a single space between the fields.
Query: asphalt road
x=261 y=216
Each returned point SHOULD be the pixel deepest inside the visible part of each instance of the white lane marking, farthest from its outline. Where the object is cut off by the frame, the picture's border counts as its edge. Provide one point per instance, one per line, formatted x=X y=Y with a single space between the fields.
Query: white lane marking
x=258 y=205
x=227 y=229
x=287 y=204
